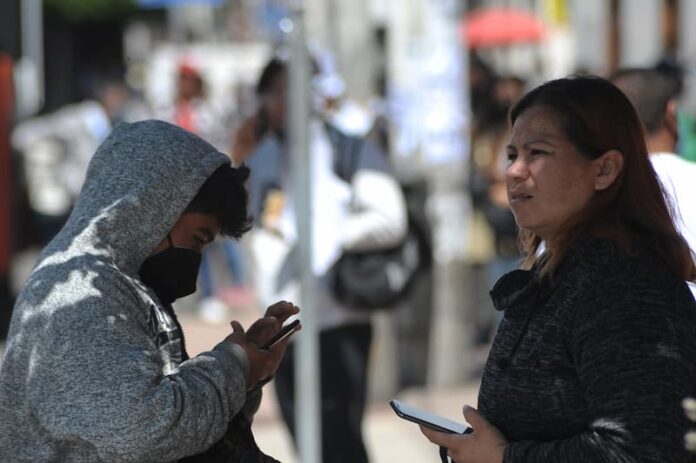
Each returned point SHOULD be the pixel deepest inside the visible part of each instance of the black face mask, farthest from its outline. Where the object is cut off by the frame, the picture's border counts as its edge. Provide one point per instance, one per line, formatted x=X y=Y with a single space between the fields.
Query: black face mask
x=171 y=273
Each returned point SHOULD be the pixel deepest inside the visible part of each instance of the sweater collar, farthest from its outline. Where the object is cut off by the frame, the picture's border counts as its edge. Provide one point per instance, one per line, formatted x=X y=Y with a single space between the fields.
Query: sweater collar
x=518 y=287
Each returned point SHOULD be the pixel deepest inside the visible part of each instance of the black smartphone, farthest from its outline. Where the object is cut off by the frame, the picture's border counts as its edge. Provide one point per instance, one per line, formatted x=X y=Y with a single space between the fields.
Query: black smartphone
x=283 y=333
x=435 y=422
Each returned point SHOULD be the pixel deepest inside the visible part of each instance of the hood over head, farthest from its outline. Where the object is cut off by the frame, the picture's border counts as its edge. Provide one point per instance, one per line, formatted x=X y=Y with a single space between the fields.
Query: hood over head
x=138 y=184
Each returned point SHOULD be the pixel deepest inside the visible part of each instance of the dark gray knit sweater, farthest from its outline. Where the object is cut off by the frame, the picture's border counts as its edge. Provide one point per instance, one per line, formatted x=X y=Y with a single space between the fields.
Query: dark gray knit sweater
x=593 y=365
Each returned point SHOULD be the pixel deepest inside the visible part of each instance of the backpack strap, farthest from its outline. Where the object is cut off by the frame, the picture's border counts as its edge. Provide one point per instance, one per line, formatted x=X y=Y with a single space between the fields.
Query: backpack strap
x=346 y=152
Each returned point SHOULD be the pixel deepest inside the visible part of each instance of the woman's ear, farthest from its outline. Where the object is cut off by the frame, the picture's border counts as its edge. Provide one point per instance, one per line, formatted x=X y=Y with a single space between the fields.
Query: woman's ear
x=609 y=166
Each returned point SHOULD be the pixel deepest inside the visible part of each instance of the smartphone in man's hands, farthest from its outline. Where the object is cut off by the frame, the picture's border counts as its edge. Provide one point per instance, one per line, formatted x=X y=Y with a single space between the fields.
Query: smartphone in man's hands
x=438 y=423
x=283 y=333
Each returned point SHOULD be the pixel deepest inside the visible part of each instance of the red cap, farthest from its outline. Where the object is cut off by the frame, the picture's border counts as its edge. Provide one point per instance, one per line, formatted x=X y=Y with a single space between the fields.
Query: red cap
x=187 y=68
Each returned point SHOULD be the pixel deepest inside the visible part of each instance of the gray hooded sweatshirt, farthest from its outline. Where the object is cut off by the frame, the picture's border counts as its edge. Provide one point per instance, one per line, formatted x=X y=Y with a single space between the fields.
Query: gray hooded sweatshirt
x=93 y=368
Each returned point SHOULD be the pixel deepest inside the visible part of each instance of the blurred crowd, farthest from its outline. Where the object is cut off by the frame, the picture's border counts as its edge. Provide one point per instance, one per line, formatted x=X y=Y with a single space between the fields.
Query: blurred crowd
x=55 y=150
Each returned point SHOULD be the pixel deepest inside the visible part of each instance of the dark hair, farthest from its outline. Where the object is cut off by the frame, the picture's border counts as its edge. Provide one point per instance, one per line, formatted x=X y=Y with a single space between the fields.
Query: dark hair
x=650 y=91
x=225 y=195
x=270 y=72
x=275 y=67
x=597 y=117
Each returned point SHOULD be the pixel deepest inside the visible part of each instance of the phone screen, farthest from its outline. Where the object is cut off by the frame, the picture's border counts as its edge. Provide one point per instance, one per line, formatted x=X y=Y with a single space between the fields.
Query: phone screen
x=284 y=332
x=428 y=419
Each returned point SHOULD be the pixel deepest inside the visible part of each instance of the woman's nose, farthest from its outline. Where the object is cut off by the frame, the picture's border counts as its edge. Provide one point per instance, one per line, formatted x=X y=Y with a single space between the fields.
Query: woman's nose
x=517 y=170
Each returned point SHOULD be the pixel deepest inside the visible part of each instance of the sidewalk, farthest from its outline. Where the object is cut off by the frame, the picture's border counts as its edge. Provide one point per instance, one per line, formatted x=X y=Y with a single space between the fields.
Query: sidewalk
x=388 y=437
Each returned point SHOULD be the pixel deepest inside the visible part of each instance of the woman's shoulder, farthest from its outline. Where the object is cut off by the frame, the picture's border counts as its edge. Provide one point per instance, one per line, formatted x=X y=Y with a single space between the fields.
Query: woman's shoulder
x=598 y=260
x=604 y=274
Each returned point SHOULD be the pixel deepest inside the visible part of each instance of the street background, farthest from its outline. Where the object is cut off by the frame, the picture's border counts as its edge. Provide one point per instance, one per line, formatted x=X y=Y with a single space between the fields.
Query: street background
x=435 y=77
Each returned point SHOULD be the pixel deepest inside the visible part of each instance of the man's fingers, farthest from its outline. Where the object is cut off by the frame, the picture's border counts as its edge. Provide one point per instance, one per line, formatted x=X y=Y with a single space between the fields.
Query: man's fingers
x=282 y=310
x=270 y=323
x=282 y=344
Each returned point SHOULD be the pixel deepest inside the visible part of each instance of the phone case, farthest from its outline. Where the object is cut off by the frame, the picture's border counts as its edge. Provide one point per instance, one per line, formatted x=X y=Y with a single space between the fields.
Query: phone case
x=428 y=419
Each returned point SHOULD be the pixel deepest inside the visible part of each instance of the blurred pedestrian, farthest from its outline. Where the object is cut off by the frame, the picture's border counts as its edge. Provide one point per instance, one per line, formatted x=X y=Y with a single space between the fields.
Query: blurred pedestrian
x=655 y=94
x=596 y=350
x=96 y=367
x=367 y=213
x=194 y=111
x=56 y=148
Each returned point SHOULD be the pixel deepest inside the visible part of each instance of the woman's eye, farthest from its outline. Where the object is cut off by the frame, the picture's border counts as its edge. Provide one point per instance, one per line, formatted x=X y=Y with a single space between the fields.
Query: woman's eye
x=511 y=156
x=537 y=152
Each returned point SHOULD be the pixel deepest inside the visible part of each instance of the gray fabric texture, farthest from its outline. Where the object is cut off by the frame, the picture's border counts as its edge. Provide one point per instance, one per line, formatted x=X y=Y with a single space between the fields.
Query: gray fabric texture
x=93 y=367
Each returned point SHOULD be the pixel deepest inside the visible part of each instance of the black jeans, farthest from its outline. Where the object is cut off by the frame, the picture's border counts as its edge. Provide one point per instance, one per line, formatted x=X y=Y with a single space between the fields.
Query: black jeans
x=343 y=361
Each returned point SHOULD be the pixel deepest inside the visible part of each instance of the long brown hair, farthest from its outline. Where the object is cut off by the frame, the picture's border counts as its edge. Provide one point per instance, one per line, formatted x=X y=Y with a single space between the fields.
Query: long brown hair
x=597 y=117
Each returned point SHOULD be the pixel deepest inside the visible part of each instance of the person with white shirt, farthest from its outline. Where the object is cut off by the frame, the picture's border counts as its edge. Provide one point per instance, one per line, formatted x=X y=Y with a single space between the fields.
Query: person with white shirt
x=367 y=212
x=654 y=95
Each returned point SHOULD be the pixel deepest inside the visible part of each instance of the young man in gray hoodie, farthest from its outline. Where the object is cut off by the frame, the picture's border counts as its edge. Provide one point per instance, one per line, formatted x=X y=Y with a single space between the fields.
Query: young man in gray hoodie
x=96 y=368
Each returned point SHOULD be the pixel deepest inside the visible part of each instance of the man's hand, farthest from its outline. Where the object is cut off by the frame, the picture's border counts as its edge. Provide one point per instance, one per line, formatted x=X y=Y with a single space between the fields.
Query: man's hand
x=485 y=445
x=282 y=311
x=263 y=363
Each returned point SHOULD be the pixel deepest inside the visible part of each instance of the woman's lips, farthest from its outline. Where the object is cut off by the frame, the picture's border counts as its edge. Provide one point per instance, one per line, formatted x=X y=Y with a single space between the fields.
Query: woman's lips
x=519 y=197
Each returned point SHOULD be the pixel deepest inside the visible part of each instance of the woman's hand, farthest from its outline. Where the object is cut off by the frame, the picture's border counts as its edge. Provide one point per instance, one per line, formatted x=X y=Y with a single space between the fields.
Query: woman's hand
x=485 y=445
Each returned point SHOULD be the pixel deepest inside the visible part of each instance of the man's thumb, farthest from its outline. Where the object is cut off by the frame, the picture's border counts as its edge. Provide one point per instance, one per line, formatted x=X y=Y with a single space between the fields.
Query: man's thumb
x=237 y=327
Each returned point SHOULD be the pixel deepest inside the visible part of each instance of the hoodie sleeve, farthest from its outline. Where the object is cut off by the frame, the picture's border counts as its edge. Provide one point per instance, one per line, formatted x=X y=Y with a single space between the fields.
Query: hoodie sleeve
x=100 y=381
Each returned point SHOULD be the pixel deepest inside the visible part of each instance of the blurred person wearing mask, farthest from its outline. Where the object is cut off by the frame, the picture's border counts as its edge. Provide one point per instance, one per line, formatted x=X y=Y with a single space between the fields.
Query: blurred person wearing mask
x=96 y=367
x=368 y=213
x=654 y=94
x=596 y=349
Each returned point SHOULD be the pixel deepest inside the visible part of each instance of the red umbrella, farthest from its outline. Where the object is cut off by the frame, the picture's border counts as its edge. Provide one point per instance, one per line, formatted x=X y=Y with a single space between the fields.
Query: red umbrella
x=494 y=27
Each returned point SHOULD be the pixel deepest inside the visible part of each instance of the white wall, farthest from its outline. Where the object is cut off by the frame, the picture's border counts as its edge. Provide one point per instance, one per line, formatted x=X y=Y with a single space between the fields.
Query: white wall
x=640 y=29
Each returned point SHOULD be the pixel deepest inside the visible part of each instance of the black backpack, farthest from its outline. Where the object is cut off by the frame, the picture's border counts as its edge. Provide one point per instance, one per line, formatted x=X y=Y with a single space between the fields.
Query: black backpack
x=376 y=279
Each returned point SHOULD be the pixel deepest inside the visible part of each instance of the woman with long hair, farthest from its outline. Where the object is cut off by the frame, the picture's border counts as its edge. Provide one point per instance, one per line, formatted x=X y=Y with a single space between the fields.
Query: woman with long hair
x=597 y=346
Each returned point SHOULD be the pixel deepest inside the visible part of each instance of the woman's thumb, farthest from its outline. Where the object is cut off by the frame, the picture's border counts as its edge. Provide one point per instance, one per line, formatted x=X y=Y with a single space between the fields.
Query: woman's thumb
x=474 y=418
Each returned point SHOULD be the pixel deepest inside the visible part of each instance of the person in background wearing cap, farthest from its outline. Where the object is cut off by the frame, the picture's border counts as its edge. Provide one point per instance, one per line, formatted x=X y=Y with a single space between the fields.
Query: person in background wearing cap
x=193 y=111
x=330 y=100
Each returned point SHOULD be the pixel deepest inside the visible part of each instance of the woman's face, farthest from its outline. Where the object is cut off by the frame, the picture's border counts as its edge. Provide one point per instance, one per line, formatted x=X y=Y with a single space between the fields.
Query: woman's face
x=548 y=180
